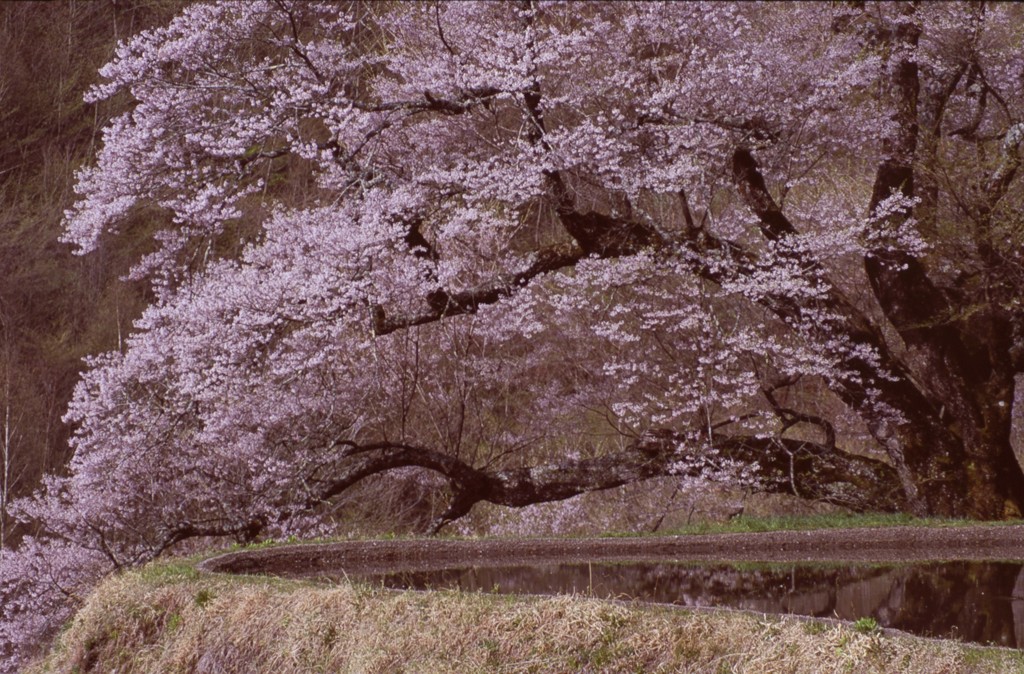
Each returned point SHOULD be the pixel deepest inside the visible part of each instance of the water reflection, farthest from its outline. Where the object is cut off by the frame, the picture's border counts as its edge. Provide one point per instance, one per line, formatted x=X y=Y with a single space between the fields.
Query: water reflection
x=974 y=601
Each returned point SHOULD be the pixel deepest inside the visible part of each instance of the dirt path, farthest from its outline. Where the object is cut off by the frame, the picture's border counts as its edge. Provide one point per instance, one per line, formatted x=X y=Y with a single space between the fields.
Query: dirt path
x=891 y=544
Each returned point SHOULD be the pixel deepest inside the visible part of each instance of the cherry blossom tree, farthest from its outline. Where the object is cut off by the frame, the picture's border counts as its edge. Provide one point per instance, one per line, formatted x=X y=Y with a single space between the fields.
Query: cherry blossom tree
x=537 y=250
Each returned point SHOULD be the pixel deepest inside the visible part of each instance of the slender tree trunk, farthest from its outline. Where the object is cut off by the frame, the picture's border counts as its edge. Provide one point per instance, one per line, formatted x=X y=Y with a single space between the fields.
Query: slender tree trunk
x=5 y=461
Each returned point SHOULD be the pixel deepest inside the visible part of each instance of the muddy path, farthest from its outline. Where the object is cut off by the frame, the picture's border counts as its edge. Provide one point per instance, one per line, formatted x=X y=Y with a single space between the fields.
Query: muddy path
x=881 y=545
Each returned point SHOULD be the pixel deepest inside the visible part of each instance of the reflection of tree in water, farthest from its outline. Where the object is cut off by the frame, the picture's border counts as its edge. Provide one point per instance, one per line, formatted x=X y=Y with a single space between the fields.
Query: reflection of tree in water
x=968 y=600
x=974 y=601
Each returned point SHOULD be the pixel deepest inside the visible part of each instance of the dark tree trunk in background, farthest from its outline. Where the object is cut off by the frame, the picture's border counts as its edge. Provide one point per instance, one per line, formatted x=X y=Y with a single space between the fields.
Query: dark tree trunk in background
x=962 y=463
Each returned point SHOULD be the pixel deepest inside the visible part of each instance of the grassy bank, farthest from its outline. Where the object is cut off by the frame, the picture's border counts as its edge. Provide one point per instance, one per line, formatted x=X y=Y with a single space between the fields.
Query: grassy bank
x=738 y=525
x=747 y=525
x=168 y=618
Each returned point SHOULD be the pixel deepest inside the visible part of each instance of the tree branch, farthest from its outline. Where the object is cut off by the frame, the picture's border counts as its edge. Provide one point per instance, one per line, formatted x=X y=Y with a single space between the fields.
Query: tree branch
x=775 y=465
x=921 y=446
x=444 y=304
x=751 y=186
x=791 y=417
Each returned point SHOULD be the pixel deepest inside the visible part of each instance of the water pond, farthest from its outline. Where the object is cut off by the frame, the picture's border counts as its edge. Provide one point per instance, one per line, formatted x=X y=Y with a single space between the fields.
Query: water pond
x=980 y=602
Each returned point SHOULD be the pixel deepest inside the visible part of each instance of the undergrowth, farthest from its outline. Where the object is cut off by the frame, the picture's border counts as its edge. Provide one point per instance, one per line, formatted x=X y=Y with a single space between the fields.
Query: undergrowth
x=167 y=618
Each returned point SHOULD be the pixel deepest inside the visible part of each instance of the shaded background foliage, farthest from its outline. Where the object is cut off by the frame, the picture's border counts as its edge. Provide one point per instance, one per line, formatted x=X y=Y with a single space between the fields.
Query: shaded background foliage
x=55 y=307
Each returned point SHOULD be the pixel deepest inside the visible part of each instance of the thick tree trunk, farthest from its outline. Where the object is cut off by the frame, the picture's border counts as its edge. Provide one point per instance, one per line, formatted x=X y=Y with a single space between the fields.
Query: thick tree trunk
x=995 y=482
x=967 y=367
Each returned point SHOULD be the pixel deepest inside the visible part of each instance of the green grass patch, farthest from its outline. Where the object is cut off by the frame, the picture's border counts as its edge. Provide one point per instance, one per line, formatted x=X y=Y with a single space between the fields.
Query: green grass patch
x=828 y=521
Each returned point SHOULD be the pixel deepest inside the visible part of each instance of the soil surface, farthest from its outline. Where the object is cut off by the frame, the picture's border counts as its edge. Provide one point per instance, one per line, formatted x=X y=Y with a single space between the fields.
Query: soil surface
x=889 y=544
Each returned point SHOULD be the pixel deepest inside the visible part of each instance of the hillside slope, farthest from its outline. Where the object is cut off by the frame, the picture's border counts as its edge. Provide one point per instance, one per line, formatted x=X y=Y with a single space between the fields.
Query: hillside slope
x=170 y=618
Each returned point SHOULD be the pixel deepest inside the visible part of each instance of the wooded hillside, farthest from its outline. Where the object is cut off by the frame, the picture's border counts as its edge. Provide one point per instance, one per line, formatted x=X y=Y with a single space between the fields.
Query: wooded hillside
x=55 y=307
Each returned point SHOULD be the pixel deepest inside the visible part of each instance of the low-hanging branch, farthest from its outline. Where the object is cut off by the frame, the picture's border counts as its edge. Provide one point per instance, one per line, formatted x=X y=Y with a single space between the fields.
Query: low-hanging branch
x=769 y=464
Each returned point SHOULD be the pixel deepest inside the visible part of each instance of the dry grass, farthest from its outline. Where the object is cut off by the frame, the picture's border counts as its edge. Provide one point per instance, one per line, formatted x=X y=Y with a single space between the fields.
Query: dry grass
x=167 y=619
